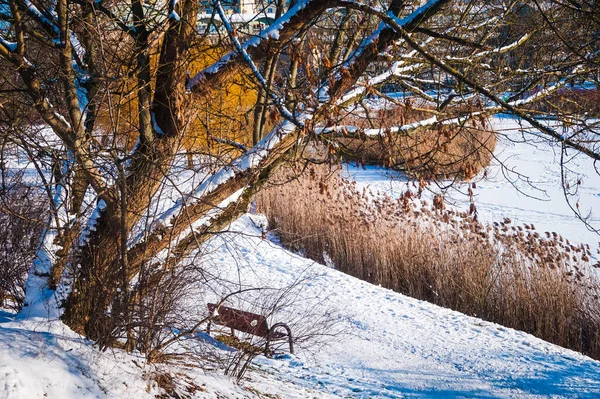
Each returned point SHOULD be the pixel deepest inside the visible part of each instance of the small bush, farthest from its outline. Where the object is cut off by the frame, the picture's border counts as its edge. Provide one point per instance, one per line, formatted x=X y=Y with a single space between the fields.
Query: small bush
x=502 y=273
x=22 y=217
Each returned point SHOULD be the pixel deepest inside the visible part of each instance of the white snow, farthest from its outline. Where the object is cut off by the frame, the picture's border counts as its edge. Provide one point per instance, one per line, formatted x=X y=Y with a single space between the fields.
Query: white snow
x=10 y=46
x=157 y=128
x=44 y=359
x=394 y=346
x=92 y=221
x=386 y=345
x=33 y=10
x=214 y=180
x=174 y=16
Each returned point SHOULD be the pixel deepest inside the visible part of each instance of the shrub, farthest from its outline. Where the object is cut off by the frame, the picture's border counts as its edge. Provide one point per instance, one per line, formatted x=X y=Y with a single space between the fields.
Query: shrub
x=22 y=212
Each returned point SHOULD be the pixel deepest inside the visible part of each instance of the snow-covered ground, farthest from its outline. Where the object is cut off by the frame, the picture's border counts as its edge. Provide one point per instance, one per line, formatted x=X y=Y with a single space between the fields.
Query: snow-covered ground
x=386 y=344
x=394 y=346
x=523 y=183
x=44 y=359
x=382 y=344
x=41 y=359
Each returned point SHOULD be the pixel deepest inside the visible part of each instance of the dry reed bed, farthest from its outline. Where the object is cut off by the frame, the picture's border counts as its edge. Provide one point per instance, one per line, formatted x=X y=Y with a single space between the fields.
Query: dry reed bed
x=449 y=150
x=511 y=275
x=572 y=101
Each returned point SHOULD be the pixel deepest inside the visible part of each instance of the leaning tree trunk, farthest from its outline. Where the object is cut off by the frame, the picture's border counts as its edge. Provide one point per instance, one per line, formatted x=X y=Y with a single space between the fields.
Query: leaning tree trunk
x=99 y=302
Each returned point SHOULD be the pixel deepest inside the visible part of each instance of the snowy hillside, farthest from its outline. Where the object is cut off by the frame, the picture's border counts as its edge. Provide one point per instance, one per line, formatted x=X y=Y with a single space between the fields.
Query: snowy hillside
x=394 y=346
x=387 y=345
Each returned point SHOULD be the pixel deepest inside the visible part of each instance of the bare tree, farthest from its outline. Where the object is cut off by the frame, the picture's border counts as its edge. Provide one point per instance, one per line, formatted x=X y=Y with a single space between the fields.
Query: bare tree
x=123 y=86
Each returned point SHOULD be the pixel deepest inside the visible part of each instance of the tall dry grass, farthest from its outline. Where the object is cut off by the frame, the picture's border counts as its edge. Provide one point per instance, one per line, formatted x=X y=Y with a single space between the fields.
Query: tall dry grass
x=447 y=151
x=572 y=102
x=502 y=273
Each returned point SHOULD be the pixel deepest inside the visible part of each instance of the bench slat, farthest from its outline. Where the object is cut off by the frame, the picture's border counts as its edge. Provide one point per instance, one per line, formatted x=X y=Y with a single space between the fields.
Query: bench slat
x=240 y=320
x=250 y=323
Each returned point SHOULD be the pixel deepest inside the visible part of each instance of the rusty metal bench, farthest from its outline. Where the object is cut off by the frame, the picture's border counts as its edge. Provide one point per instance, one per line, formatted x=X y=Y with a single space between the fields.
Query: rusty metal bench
x=250 y=323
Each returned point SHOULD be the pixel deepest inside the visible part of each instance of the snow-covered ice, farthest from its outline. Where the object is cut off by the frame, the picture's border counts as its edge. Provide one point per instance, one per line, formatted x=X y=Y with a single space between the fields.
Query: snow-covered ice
x=523 y=183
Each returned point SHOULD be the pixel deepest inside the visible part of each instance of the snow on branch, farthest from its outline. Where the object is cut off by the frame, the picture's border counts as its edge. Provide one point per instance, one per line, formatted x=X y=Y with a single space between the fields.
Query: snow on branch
x=479 y=88
x=11 y=47
x=39 y=16
x=496 y=51
x=273 y=31
x=250 y=160
x=397 y=69
x=172 y=13
x=418 y=14
x=400 y=68
x=349 y=131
